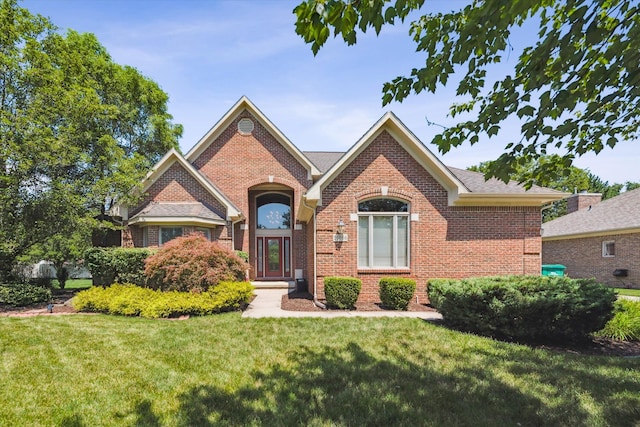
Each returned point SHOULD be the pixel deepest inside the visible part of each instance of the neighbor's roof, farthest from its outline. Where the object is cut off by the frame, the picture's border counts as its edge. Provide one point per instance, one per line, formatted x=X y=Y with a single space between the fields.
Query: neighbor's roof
x=620 y=214
x=195 y=213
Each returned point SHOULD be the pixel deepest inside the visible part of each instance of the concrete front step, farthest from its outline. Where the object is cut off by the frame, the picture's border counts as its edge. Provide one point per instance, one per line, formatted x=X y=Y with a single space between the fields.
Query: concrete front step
x=274 y=284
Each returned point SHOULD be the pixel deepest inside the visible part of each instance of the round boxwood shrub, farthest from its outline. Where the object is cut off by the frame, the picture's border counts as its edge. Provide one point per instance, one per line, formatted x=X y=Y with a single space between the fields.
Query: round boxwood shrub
x=524 y=308
x=396 y=292
x=342 y=292
x=192 y=263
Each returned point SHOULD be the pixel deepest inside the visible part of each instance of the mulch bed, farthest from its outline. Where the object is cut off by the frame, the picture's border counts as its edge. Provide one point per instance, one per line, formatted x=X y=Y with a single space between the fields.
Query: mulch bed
x=303 y=301
x=58 y=298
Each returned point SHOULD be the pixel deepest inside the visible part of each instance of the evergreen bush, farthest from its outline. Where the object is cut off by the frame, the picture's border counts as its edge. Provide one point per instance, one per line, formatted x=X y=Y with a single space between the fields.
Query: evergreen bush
x=342 y=292
x=22 y=294
x=524 y=308
x=132 y=300
x=396 y=292
x=117 y=265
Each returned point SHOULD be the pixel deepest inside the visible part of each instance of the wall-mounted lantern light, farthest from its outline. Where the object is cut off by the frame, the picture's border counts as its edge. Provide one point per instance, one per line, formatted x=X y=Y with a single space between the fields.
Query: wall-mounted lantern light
x=340 y=235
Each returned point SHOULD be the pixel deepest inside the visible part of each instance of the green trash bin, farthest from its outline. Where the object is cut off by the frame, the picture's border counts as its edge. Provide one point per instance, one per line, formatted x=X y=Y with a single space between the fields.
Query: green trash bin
x=553 y=269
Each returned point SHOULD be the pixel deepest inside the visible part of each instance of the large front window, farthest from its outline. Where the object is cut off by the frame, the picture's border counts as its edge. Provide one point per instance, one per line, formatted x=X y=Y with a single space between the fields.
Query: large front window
x=383 y=234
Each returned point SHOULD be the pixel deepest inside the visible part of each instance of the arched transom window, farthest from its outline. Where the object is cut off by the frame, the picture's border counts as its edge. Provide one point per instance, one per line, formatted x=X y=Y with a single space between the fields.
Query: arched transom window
x=383 y=233
x=274 y=212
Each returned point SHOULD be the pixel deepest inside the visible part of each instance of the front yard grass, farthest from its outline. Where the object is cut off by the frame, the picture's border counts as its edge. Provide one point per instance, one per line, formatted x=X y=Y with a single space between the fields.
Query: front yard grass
x=224 y=370
x=74 y=284
x=628 y=292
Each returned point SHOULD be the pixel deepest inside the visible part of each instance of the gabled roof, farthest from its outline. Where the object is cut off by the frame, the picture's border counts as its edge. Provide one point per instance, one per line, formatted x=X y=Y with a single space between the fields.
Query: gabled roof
x=618 y=215
x=172 y=157
x=195 y=213
x=324 y=159
x=245 y=104
x=465 y=188
x=390 y=123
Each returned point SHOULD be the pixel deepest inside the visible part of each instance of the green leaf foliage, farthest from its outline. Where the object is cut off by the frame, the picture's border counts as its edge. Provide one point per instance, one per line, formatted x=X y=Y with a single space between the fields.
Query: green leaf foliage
x=22 y=295
x=524 y=308
x=77 y=131
x=342 y=292
x=396 y=292
x=131 y=300
x=574 y=88
x=192 y=263
x=117 y=265
x=625 y=325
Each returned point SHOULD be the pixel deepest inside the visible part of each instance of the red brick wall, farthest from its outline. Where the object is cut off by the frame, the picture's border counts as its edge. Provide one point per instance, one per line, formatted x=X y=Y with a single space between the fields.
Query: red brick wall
x=452 y=242
x=579 y=201
x=237 y=163
x=177 y=185
x=583 y=258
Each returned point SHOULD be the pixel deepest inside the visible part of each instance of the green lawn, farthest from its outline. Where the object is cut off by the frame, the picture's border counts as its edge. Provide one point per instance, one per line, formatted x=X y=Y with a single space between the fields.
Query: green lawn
x=92 y=370
x=74 y=283
x=628 y=292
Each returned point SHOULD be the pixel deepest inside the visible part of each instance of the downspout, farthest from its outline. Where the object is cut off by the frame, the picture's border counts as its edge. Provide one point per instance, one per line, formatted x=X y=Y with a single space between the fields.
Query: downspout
x=315 y=261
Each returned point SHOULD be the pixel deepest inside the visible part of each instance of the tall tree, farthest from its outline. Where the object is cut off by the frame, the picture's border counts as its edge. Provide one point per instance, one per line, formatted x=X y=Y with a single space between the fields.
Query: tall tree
x=575 y=90
x=76 y=130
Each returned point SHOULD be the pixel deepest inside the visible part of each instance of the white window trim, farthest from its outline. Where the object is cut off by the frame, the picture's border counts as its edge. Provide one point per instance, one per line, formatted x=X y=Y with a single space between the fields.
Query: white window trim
x=605 y=253
x=394 y=256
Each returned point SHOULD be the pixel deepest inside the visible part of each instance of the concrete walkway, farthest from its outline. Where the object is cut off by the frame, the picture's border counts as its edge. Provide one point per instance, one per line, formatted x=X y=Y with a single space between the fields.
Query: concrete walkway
x=267 y=303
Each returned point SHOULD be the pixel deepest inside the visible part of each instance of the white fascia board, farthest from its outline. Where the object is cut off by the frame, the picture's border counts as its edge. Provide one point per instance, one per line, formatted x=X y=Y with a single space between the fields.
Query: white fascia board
x=242 y=104
x=159 y=220
x=174 y=156
x=409 y=142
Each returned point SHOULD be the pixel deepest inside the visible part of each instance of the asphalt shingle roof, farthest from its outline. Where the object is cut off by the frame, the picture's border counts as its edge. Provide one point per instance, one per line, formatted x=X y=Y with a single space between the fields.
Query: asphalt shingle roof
x=474 y=181
x=323 y=159
x=178 y=210
x=618 y=213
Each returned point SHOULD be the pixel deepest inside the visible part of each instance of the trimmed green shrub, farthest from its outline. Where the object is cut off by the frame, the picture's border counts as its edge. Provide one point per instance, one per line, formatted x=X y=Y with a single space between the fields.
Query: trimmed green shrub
x=132 y=300
x=243 y=255
x=342 y=292
x=116 y=265
x=625 y=325
x=524 y=308
x=22 y=295
x=396 y=292
x=192 y=263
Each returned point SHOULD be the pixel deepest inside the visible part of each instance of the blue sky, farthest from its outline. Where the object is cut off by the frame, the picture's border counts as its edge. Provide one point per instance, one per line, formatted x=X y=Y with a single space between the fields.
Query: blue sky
x=207 y=54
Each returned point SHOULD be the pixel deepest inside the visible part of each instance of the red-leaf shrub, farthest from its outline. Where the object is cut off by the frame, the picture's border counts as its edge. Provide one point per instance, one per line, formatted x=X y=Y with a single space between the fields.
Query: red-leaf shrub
x=192 y=263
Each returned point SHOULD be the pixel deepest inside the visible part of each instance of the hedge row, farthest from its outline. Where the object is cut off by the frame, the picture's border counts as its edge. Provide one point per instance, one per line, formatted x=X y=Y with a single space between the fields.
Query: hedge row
x=525 y=308
x=117 y=265
x=343 y=292
x=22 y=295
x=132 y=300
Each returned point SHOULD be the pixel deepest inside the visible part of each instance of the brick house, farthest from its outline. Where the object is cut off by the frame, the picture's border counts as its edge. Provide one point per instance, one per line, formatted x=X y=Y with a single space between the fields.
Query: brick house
x=597 y=239
x=386 y=207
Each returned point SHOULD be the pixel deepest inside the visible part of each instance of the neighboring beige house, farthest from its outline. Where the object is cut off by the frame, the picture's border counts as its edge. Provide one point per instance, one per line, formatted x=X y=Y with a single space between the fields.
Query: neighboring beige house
x=597 y=239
